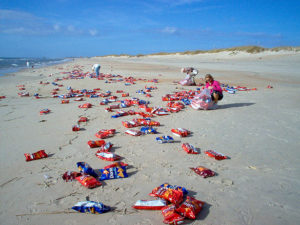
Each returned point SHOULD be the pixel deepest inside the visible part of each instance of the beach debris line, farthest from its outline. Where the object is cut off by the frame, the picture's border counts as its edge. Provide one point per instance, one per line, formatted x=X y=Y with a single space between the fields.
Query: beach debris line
x=37 y=155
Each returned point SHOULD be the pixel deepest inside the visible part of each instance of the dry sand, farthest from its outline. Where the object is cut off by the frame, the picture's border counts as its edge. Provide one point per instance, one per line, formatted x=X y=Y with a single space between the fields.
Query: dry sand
x=259 y=130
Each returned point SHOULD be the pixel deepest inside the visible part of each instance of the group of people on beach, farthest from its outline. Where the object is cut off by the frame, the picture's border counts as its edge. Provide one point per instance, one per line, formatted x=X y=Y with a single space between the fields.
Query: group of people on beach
x=210 y=83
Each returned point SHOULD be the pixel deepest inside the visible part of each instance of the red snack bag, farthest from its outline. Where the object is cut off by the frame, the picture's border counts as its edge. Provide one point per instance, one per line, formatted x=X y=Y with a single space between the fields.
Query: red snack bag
x=129 y=124
x=204 y=172
x=37 y=155
x=125 y=94
x=150 y=204
x=95 y=144
x=133 y=132
x=88 y=181
x=116 y=164
x=83 y=119
x=190 y=207
x=65 y=101
x=174 y=196
x=216 y=155
x=44 y=111
x=180 y=132
x=75 y=128
x=190 y=149
x=106 y=147
x=86 y=105
x=170 y=215
x=70 y=175
x=105 y=133
x=108 y=156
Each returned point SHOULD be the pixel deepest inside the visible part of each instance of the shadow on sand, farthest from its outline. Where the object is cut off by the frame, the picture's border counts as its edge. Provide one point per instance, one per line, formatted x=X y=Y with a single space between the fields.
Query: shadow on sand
x=226 y=106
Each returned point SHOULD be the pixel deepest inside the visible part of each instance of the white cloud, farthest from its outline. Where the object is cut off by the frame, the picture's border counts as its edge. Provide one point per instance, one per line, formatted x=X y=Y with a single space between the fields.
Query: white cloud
x=169 y=30
x=56 y=27
x=93 y=32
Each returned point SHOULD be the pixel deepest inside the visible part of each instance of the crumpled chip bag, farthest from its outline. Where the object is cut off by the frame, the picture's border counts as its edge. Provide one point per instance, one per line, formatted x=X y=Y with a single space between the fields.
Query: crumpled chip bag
x=105 y=133
x=175 y=187
x=37 y=155
x=203 y=172
x=216 y=155
x=190 y=149
x=88 y=181
x=171 y=195
x=113 y=173
x=106 y=147
x=170 y=215
x=83 y=119
x=133 y=132
x=116 y=164
x=95 y=144
x=70 y=175
x=108 y=156
x=91 y=207
x=180 y=132
x=190 y=207
x=83 y=167
x=150 y=204
x=85 y=105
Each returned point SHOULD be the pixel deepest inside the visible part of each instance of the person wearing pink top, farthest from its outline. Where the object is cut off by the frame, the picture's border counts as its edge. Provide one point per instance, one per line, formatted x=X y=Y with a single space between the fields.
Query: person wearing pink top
x=215 y=88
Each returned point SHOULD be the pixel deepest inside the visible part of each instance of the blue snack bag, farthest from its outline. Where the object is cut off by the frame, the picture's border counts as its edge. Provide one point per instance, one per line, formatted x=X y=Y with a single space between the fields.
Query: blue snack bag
x=113 y=173
x=175 y=187
x=91 y=207
x=85 y=168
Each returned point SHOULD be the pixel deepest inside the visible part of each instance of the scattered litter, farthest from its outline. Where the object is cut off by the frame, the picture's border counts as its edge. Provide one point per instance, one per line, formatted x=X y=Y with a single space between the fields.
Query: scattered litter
x=190 y=207
x=133 y=132
x=180 y=132
x=150 y=204
x=108 y=156
x=76 y=128
x=44 y=111
x=164 y=139
x=216 y=155
x=70 y=175
x=204 y=172
x=190 y=149
x=37 y=155
x=105 y=133
x=91 y=207
x=88 y=181
x=95 y=144
x=113 y=173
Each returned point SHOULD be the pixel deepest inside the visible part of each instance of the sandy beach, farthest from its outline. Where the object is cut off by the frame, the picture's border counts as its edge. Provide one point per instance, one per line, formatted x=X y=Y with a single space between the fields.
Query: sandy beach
x=257 y=129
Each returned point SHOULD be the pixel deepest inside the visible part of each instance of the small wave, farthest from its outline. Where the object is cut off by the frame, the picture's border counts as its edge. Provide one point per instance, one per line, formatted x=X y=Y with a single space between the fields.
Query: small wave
x=14 y=64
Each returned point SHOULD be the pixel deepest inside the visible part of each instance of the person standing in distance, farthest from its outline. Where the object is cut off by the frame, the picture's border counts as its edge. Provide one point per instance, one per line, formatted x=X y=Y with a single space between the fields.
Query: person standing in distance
x=96 y=68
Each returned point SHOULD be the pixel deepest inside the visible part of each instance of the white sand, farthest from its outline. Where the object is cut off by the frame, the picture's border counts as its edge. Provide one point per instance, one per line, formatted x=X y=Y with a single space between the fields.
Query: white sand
x=259 y=130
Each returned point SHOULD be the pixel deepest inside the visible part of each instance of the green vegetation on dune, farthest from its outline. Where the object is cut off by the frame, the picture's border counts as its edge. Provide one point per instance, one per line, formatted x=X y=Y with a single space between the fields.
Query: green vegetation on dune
x=248 y=49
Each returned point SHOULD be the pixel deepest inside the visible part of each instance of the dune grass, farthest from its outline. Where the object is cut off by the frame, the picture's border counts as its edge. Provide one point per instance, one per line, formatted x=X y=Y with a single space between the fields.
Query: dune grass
x=248 y=49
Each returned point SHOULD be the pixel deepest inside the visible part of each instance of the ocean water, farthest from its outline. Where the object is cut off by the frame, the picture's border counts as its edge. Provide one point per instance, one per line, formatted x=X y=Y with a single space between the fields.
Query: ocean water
x=10 y=65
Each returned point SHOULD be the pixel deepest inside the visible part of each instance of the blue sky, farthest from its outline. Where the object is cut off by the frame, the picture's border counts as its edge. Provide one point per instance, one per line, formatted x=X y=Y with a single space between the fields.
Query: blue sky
x=63 y=28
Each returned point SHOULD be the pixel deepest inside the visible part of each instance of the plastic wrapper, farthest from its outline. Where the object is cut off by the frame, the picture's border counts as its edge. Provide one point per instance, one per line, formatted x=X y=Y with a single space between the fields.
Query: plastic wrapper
x=86 y=105
x=108 y=156
x=83 y=167
x=37 y=155
x=148 y=130
x=180 y=132
x=44 y=111
x=133 y=132
x=75 y=128
x=70 y=176
x=88 y=181
x=190 y=207
x=175 y=187
x=82 y=119
x=170 y=215
x=164 y=139
x=95 y=144
x=190 y=149
x=171 y=195
x=105 y=133
x=203 y=172
x=91 y=207
x=216 y=155
x=113 y=173
x=106 y=147
x=116 y=164
x=150 y=204
x=130 y=124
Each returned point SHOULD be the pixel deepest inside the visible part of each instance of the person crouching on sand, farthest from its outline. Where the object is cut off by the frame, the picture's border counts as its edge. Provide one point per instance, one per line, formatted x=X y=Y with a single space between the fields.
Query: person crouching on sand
x=96 y=68
x=215 y=88
x=190 y=76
